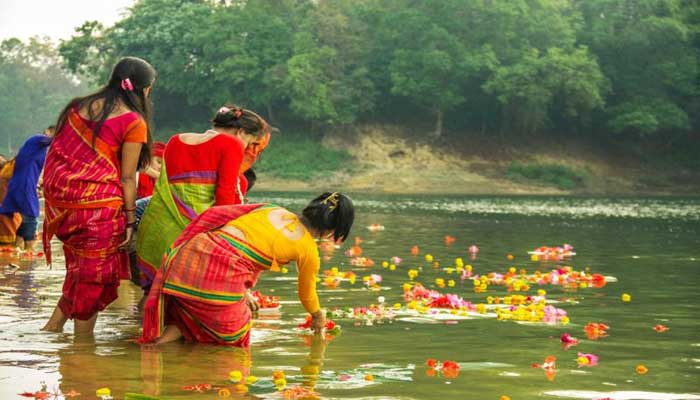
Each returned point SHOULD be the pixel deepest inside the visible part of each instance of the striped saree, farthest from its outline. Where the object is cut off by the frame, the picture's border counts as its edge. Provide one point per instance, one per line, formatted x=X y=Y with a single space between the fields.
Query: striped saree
x=175 y=202
x=201 y=284
x=83 y=204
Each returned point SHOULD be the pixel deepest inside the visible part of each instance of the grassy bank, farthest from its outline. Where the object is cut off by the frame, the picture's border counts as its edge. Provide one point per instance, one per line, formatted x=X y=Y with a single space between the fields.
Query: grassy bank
x=387 y=159
x=298 y=157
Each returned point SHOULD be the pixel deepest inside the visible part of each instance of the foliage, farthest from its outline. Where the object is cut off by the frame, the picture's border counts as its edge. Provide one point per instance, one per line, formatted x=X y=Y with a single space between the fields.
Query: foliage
x=297 y=156
x=559 y=175
x=628 y=68
x=34 y=87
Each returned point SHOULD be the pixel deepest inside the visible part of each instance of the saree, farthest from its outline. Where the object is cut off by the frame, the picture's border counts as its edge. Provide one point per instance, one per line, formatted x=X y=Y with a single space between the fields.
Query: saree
x=201 y=284
x=175 y=202
x=8 y=223
x=83 y=208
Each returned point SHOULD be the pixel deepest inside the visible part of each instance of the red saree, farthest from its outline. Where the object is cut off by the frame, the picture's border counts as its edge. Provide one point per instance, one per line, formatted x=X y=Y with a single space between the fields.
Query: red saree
x=201 y=284
x=83 y=204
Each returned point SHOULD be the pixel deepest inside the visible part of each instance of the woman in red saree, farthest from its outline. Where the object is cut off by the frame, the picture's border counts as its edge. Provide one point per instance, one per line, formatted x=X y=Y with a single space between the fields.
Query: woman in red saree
x=90 y=190
x=201 y=290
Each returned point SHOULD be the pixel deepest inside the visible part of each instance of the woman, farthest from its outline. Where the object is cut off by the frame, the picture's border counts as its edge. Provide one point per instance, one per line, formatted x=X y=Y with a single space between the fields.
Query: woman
x=8 y=223
x=201 y=291
x=199 y=171
x=90 y=189
x=22 y=196
x=147 y=177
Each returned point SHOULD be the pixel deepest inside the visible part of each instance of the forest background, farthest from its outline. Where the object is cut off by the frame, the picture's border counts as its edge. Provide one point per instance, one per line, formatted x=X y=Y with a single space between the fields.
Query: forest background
x=442 y=96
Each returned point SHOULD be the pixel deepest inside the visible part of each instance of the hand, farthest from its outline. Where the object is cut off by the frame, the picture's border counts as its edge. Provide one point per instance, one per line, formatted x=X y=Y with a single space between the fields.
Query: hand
x=251 y=301
x=318 y=322
x=129 y=235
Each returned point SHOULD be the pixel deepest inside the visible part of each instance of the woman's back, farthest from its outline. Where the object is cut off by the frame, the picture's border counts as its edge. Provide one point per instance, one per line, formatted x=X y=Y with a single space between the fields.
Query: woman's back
x=202 y=173
x=75 y=172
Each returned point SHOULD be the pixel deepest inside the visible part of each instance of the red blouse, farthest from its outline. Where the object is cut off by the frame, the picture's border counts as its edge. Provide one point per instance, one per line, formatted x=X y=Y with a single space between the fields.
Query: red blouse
x=222 y=154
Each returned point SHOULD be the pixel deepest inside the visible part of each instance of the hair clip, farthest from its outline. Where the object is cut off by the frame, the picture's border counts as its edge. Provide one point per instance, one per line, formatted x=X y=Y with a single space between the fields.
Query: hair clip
x=224 y=110
x=332 y=199
x=238 y=113
x=127 y=85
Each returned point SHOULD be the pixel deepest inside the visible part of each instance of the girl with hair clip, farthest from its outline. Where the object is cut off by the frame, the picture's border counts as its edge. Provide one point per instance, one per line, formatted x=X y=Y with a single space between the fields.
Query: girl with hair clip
x=201 y=291
x=90 y=189
x=198 y=171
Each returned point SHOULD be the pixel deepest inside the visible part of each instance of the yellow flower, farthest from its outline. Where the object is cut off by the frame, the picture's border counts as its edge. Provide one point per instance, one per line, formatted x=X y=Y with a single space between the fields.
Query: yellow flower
x=626 y=298
x=428 y=258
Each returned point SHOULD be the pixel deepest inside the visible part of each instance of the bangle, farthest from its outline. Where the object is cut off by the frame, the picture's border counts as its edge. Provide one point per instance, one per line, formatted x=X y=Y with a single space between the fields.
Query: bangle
x=131 y=224
x=130 y=209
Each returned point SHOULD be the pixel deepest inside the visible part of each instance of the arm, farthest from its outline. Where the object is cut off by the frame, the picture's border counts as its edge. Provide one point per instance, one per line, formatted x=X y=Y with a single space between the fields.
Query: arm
x=228 y=168
x=131 y=149
x=309 y=264
x=130 y=160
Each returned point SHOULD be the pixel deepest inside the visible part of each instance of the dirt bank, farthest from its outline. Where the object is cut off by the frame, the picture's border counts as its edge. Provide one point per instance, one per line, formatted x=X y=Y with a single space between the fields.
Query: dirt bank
x=388 y=161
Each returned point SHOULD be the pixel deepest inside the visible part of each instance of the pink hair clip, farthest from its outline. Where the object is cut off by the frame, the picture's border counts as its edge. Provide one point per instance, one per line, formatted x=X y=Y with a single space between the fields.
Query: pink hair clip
x=224 y=110
x=126 y=84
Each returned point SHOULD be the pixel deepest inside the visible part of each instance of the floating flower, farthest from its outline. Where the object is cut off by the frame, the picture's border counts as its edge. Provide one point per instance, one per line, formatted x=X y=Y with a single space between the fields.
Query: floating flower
x=641 y=369
x=626 y=298
x=414 y=250
x=473 y=249
x=587 y=360
x=449 y=240
x=661 y=328
x=235 y=376
x=549 y=367
x=568 y=341
x=428 y=258
x=595 y=330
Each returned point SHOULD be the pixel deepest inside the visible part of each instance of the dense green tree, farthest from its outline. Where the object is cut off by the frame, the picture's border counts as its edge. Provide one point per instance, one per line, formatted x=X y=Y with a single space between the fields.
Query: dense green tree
x=510 y=66
x=647 y=52
x=35 y=88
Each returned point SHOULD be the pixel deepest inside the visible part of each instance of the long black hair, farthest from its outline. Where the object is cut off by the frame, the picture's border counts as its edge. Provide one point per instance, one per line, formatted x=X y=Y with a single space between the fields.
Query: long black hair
x=129 y=78
x=331 y=212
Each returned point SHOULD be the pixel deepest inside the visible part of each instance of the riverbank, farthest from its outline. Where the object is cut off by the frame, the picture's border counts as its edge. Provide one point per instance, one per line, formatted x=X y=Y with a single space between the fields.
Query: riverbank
x=384 y=159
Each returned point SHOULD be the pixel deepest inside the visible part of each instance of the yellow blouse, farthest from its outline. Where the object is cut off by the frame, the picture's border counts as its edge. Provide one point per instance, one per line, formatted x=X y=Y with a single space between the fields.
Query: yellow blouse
x=279 y=234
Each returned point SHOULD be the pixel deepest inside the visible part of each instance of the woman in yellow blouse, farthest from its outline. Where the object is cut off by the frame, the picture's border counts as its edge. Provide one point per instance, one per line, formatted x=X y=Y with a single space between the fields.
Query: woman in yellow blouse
x=201 y=290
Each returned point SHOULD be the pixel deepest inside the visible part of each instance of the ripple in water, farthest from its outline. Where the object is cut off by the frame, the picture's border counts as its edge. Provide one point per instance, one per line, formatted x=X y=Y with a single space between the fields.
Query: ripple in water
x=672 y=208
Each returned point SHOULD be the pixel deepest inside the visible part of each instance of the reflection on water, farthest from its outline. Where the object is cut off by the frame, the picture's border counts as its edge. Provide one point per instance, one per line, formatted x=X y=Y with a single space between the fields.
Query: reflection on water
x=651 y=245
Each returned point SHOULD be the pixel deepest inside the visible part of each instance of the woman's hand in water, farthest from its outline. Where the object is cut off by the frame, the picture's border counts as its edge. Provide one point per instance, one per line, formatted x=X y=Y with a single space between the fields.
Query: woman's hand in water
x=251 y=301
x=318 y=322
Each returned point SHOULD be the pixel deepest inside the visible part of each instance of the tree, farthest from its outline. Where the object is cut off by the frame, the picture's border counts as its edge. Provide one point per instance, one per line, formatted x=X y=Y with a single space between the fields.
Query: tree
x=648 y=52
x=31 y=72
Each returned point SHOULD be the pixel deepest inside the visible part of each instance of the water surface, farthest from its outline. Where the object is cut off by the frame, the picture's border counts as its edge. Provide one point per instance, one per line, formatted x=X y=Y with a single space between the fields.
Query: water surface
x=651 y=245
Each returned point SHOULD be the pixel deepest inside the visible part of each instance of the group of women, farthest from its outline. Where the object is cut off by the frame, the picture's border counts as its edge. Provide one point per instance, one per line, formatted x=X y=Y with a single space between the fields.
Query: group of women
x=199 y=249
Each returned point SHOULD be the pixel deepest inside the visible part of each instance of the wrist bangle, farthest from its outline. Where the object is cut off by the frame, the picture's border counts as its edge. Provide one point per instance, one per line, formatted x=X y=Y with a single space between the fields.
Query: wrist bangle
x=130 y=209
x=131 y=224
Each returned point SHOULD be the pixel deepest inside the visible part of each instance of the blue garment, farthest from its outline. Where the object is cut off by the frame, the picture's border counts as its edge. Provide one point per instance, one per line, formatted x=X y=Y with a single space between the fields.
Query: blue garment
x=21 y=190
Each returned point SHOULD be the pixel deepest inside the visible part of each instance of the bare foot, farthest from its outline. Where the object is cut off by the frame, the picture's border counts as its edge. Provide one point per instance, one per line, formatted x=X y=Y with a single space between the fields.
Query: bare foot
x=52 y=328
x=56 y=322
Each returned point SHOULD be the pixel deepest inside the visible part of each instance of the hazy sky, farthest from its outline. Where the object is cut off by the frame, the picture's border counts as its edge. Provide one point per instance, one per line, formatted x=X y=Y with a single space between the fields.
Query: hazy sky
x=55 y=18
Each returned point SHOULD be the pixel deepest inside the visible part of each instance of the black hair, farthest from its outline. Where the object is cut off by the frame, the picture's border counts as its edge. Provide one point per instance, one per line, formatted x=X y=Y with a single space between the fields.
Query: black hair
x=331 y=212
x=140 y=75
x=233 y=116
x=251 y=177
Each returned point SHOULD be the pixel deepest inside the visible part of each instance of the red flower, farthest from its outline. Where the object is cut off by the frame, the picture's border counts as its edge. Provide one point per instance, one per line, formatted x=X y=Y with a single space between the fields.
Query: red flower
x=432 y=363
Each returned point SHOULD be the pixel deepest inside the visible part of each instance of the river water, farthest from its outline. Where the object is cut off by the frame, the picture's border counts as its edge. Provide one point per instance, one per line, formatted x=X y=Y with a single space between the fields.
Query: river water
x=651 y=246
